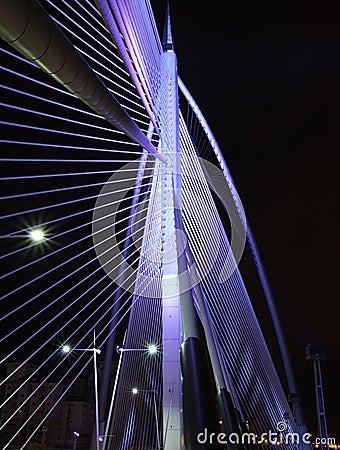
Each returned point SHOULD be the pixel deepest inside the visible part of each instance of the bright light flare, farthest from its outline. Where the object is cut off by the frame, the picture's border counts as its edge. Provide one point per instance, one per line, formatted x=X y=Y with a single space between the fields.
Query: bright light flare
x=66 y=348
x=134 y=391
x=152 y=349
x=37 y=235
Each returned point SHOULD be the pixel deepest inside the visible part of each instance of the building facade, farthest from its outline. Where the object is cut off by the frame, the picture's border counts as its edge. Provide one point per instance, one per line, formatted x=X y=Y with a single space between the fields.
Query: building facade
x=60 y=409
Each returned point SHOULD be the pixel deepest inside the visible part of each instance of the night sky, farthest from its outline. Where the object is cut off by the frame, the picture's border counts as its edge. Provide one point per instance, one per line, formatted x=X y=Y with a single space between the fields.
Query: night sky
x=267 y=82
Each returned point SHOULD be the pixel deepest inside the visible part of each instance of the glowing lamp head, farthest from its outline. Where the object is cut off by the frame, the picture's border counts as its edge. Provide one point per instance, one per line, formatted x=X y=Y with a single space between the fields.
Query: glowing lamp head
x=66 y=349
x=134 y=391
x=152 y=349
x=37 y=235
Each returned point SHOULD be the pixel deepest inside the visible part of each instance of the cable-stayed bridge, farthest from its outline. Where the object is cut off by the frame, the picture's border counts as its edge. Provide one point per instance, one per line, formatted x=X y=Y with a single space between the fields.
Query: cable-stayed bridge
x=107 y=155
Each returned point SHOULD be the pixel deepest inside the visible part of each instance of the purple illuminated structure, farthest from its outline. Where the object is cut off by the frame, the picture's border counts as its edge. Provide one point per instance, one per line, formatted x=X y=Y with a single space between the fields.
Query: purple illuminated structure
x=164 y=265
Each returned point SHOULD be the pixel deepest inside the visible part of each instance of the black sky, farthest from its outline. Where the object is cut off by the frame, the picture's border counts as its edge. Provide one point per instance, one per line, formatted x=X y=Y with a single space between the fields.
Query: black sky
x=267 y=81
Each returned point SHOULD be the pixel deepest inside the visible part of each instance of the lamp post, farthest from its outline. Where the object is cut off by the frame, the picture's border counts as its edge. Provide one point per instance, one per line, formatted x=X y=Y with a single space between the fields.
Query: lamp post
x=76 y=435
x=44 y=430
x=316 y=353
x=150 y=349
x=96 y=351
x=102 y=436
x=136 y=391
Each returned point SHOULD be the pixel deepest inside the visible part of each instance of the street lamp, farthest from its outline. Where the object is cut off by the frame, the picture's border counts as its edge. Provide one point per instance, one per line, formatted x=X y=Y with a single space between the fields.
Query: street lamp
x=76 y=435
x=102 y=436
x=136 y=391
x=151 y=349
x=96 y=351
x=36 y=235
x=66 y=348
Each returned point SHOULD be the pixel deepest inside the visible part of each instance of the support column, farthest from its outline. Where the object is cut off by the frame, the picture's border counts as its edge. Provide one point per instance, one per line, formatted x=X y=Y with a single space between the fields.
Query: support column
x=172 y=334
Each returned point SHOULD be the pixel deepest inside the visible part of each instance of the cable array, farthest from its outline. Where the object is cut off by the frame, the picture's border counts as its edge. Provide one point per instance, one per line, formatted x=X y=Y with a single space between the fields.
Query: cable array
x=97 y=265
x=248 y=361
x=57 y=155
x=139 y=370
